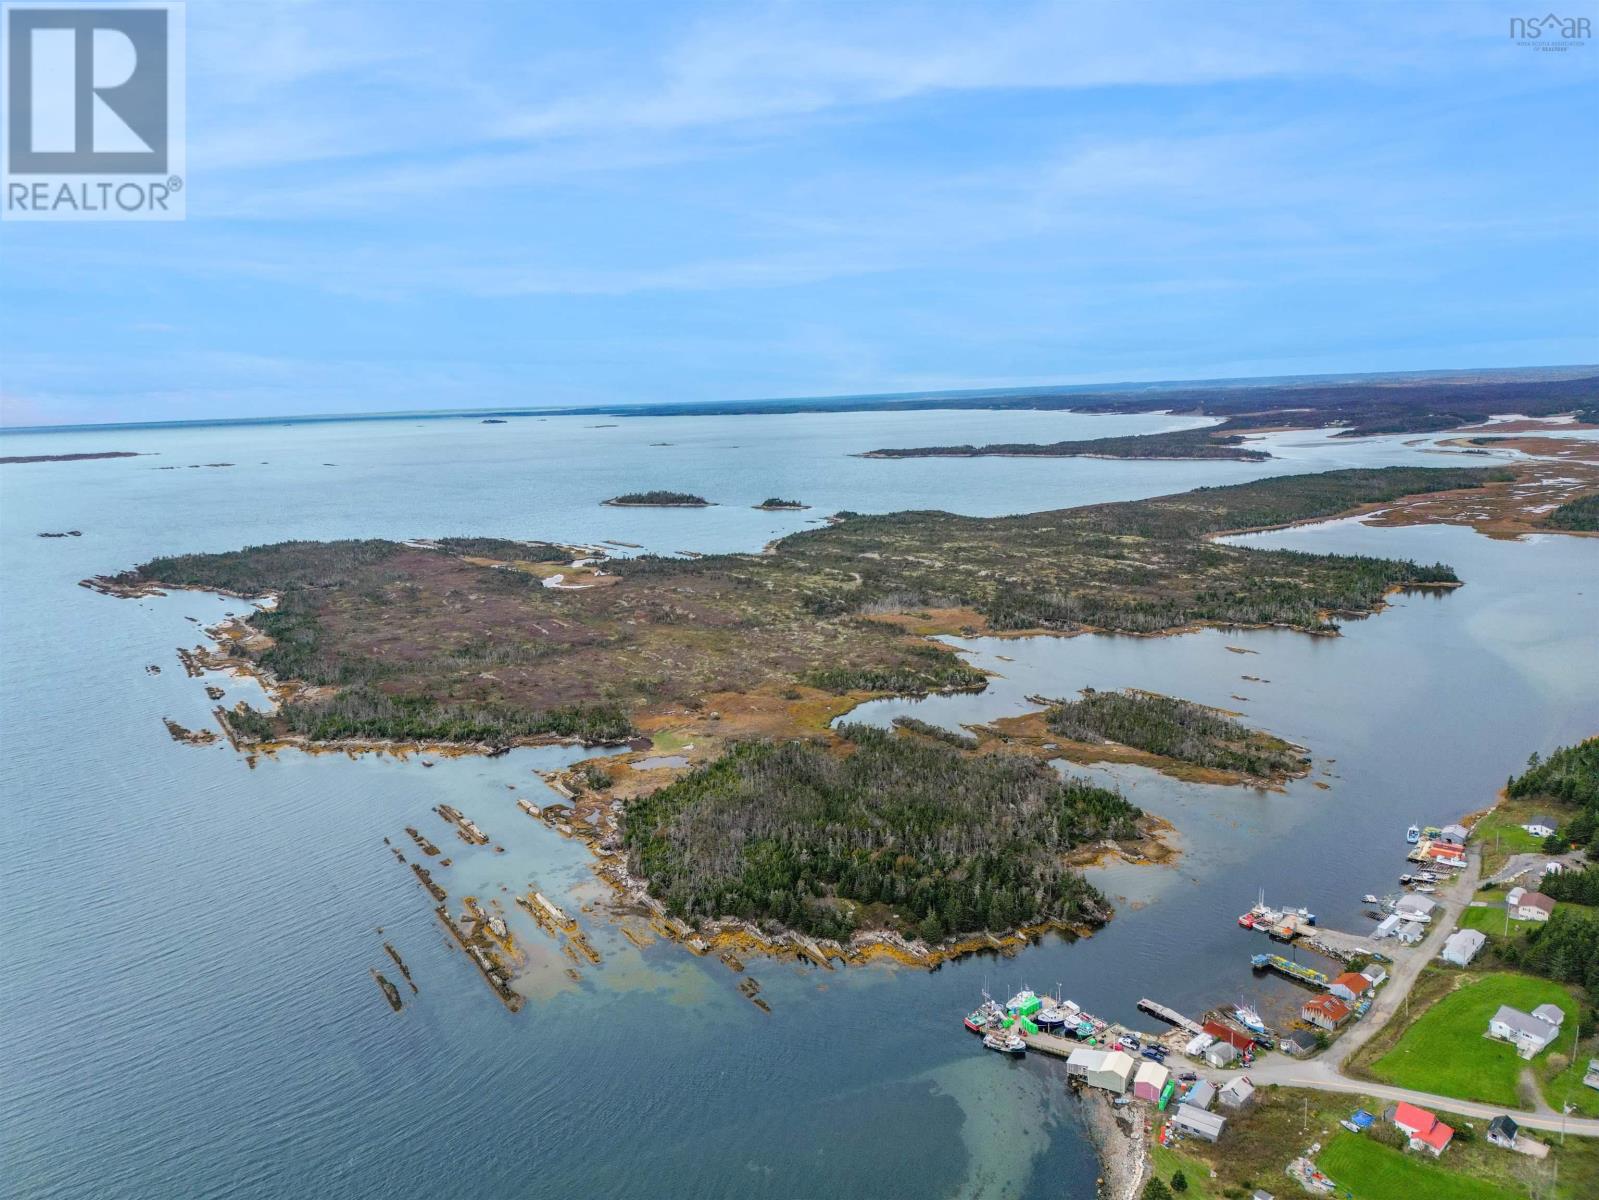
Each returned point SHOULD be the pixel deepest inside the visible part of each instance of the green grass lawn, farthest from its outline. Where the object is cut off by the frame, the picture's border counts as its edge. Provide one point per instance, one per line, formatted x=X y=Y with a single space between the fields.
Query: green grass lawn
x=1169 y=1162
x=1372 y=1171
x=1445 y=1050
x=1565 y=1084
x=1490 y=920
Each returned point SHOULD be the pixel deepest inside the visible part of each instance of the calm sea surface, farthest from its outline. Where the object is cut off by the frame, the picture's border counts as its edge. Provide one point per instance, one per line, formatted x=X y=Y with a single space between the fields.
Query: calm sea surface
x=186 y=1007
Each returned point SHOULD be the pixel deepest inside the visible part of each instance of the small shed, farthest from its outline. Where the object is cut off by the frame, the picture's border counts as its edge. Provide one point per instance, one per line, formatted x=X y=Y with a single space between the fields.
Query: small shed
x=1220 y=1054
x=1502 y=1131
x=1201 y=1095
x=1455 y=834
x=1237 y=1093
x=1199 y=1122
x=1410 y=932
x=1299 y=1043
x=1114 y=1074
x=1387 y=927
x=1150 y=1081
x=1374 y=973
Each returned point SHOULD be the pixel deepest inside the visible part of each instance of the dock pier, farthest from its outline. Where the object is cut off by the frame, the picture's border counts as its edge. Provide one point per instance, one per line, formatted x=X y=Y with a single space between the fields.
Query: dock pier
x=1171 y=1016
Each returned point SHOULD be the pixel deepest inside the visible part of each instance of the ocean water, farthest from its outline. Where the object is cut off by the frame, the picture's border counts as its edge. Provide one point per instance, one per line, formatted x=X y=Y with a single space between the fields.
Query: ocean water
x=186 y=1006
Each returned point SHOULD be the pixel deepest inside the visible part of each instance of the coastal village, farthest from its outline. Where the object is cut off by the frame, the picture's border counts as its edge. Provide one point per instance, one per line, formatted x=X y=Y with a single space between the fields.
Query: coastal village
x=1191 y=1082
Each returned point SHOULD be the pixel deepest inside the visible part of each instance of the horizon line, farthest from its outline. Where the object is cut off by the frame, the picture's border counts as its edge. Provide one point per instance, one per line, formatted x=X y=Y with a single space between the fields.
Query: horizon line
x=672 y=407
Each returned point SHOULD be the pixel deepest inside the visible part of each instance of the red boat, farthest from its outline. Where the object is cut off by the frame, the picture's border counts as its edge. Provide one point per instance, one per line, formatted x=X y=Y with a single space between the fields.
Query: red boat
x=1247 y=920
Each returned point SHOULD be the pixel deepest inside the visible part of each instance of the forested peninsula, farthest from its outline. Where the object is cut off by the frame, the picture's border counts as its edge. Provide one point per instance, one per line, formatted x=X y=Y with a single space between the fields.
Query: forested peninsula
x=454 y=641
x=1179 y=444
x=784 y=823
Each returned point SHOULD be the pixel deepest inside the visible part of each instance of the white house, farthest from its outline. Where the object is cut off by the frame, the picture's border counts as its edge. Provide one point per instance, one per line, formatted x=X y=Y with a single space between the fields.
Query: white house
x=1528 y=1033
x=1541 y=826
x=1461 y=946
x=1513 y=897
x=1533 y=906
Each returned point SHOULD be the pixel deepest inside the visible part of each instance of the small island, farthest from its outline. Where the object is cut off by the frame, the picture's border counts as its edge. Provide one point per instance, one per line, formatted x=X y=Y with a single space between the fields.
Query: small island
x=658 y=499
x=34 y=458
x=772 y=504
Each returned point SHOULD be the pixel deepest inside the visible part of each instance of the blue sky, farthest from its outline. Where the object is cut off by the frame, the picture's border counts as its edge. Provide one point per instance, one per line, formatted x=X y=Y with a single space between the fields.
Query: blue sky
x=422 y=205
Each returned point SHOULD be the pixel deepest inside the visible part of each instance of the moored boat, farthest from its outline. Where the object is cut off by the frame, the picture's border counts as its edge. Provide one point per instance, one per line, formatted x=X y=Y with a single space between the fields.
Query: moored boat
x=1006 y=1041
x=1052 y=1016
x=1413 y=834
x=1247 y=920
x=1249 y=1018
x=1368 y=898
x=1024 y=1003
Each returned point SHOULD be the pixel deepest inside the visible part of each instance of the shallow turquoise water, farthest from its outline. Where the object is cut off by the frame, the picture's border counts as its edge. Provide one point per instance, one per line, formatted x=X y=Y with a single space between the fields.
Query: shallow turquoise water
x=185 y=947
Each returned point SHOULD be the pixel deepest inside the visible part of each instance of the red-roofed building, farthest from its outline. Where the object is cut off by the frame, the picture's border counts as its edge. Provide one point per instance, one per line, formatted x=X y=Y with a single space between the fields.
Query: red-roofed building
x=1239 y=1041
x=1350 y=986
x=1426 y=1132
x=1325 y=1012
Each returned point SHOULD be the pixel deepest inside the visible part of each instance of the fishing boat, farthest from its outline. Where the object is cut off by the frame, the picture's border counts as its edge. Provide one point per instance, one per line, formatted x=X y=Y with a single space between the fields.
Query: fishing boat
x=1249 y=1018
x=1407 y=878
x=1006 y=1041
x=1426 y=889
x=1413 y=834
x=1247 y=920
x=1368 y=898
x=1024 y=1003
x=1052 y=1016
x=984 y=1015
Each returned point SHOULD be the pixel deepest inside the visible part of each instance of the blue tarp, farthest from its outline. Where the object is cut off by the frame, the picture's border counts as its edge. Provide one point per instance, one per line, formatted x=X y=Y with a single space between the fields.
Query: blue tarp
x=1362 y=1118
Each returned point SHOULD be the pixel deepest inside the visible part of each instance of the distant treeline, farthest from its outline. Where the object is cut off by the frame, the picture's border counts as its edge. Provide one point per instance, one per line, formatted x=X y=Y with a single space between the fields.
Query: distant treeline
x=1176 y=729
x=1186 y=443
x=900 y=833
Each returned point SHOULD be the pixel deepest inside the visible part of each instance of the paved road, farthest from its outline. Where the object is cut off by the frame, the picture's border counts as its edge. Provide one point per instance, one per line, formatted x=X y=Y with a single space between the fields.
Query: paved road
x=1323 y=1077
x=1324 y=1074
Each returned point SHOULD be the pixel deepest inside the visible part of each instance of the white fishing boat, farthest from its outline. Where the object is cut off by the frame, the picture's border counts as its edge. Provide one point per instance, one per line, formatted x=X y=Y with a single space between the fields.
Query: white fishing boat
x=1005 y=1041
